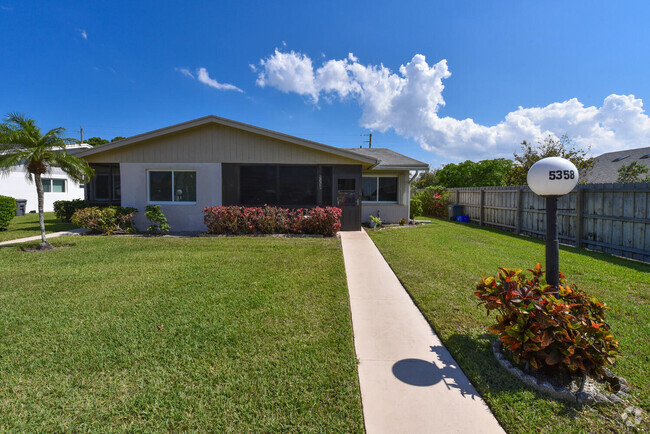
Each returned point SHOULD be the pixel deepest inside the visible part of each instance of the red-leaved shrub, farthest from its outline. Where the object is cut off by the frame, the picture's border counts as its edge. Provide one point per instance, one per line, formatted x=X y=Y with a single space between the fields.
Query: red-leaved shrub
x=555 y=329
x=272 y=220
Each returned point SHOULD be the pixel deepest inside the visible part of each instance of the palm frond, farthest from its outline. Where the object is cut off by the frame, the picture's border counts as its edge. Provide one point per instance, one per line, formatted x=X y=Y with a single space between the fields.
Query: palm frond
x=76 y=168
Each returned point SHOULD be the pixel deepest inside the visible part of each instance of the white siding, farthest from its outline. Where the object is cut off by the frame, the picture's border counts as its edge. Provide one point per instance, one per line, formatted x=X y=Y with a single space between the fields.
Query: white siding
x=16 y=185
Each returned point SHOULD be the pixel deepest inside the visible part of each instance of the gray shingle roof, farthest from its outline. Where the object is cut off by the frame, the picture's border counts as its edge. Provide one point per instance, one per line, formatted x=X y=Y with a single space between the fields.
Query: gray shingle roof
x=389 y=159
x=606 y=166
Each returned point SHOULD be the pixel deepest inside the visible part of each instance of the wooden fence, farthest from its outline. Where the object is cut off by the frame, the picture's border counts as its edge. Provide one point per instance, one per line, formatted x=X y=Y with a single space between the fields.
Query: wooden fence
x=612 y=218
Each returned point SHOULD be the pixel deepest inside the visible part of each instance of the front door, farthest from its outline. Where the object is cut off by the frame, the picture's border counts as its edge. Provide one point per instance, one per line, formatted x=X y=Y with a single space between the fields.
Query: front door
x=348 y=199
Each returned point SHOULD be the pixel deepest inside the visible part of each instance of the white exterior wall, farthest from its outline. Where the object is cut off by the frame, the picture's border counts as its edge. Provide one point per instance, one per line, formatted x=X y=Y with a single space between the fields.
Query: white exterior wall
x=16 y=185
x=391 y=212
x=181 y=217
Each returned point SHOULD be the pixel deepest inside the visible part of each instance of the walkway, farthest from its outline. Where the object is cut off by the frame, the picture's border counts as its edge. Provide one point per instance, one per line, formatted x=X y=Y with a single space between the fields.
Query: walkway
x=409 y=381
x=38 y=237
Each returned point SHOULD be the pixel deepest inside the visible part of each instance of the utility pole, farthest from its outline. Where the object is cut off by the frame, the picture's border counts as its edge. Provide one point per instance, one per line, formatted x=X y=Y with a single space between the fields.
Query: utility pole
x=369 y=141
x=81 y=131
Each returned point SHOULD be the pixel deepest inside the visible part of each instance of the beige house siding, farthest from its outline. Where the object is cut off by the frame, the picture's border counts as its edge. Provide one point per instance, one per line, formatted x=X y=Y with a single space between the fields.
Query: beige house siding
x=214 y=143
x=389 y=213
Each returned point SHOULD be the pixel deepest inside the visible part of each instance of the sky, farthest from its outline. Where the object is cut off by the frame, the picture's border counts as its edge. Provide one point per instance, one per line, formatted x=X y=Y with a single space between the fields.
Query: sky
x=441 y=82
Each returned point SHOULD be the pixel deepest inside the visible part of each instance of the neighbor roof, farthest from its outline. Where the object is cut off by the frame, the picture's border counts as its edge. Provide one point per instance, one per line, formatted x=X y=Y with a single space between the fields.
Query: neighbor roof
x=389 y=160
x=606 y=166
x=230 y=123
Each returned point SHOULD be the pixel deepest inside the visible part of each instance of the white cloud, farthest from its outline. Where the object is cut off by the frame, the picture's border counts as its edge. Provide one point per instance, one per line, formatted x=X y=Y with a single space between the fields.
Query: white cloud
x=185 y=71
x=83 y=34
x=408 y=102
x=203 y=76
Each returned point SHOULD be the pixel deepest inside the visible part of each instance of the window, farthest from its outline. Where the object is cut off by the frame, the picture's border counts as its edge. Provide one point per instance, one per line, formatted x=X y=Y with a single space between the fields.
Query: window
x=53 y=185
x=278 y=185
x=382 y=189
x=172 y=186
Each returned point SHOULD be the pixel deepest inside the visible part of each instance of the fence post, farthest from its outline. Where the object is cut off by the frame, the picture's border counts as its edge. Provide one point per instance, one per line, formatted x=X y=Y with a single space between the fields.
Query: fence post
x=518 y=215
x=579 y=214
x=482 y=203
x=457 y=197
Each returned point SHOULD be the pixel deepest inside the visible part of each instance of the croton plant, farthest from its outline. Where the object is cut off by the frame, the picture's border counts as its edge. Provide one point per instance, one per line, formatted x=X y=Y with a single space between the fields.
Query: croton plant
x=555 y=329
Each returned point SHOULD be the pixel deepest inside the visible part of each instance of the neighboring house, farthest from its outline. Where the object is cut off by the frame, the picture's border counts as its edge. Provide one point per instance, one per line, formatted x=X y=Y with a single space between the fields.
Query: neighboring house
x=57 y=185
x=606 y=166
x=213 y=161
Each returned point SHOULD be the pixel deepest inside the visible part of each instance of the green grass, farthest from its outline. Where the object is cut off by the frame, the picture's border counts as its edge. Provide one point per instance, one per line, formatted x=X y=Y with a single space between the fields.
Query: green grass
x=256 y=336
x=439 y=264
x=27 y=226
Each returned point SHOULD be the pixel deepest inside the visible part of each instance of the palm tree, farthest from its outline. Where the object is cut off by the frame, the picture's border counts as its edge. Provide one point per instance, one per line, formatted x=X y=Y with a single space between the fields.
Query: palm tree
x=22 y=143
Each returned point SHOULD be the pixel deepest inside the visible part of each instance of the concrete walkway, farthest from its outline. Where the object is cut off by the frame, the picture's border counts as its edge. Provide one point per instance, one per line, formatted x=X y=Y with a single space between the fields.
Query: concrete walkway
x=409 y=381
x=38 y=237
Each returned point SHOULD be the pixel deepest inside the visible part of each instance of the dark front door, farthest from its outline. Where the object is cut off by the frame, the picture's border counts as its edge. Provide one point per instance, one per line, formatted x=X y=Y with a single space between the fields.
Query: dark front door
x=348 y=199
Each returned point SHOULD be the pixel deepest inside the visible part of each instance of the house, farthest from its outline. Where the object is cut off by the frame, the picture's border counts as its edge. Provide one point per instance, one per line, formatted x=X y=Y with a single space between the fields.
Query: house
x=214 y=161
x=57 y=185
x=606 y=166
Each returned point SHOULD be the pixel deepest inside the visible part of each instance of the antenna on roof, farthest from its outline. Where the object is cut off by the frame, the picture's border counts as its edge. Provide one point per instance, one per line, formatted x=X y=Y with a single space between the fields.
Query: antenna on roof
x=369 y=141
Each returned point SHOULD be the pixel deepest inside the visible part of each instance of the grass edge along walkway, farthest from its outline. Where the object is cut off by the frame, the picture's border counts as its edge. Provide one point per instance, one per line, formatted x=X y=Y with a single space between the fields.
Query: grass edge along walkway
x=440 y=262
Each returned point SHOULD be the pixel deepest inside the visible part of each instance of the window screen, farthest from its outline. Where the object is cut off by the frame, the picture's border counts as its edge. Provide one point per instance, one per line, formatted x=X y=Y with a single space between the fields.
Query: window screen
x=258 y=185
x=160 y=186
x=184 y=186
x=369 y=189
x=388 y=189
x=298 y=185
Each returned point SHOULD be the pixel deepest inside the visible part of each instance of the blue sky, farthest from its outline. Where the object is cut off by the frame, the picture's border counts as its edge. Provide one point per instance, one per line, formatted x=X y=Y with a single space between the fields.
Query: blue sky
x=479 y=77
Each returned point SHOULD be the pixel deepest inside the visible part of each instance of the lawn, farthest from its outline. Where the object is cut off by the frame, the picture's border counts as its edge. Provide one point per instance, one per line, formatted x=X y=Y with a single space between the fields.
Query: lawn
x=439 y=264
x=177 y=334
x=27 y=226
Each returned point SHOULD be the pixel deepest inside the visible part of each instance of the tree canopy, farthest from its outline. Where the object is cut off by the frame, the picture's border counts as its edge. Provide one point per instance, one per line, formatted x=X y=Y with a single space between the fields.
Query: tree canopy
x=474 y=174
x=563 y=147
x=633 y=172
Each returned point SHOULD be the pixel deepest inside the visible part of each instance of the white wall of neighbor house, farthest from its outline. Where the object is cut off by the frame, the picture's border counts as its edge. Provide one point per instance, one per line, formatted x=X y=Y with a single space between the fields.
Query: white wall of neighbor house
x=182 y=216
x=16 y=185
x=388 y=212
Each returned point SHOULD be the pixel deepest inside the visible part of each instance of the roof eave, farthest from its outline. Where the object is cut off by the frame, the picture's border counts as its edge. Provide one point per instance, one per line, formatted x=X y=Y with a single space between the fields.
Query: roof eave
x=234 y=124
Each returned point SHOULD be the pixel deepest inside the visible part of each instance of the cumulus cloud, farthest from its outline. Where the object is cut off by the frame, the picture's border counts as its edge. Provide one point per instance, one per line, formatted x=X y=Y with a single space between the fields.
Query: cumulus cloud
x=83 y=33
x=408 y=102
x=203 y=76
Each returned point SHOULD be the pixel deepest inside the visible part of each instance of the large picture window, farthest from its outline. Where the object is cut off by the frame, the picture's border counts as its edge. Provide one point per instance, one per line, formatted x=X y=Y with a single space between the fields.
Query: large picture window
x=53 y=185
x=279 y=185
x=172 y=186
x=382 y=189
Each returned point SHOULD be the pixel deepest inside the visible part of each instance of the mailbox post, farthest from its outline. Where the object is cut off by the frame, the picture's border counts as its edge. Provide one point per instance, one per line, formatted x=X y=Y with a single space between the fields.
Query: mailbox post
x=551 y=178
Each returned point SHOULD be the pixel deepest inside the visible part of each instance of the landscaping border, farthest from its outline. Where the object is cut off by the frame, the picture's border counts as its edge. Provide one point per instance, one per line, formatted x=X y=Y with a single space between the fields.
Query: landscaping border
x=563 y=393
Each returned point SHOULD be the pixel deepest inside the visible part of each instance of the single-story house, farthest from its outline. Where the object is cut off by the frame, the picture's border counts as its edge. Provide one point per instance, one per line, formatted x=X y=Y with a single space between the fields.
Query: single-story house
x=606 y=166
x=57 y=185
x=214 y=161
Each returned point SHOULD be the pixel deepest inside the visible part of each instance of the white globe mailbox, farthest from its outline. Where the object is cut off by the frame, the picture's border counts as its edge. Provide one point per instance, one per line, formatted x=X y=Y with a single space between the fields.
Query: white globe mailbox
x=552 y=176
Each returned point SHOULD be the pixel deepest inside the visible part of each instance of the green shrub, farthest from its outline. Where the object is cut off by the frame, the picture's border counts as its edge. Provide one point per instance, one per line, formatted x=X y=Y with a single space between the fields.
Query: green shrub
x=416 y=207
x=156 y=216
x=434 y=201
x=109 y=220
x=64 y=209
x=7 y=211
x=376 y=220
x=555 y=330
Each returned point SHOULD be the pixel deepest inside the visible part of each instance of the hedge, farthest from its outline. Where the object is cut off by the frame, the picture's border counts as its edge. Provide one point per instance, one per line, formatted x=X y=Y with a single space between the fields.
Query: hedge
x=64 y=209
x=7 y=211
x=272 y=220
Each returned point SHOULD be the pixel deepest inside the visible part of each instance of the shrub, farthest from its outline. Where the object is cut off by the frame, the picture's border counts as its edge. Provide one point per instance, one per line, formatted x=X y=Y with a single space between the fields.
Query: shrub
x=416 y=207
x=156 y=216
x=109 y=220
x=376 y=220
x=434 y=201
x=7 y=211
x=64 y=209
x=267 y=220
x=557 y=330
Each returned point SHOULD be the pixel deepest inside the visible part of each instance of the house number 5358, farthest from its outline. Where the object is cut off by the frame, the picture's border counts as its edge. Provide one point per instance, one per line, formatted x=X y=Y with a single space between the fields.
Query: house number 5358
x=561 y=174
